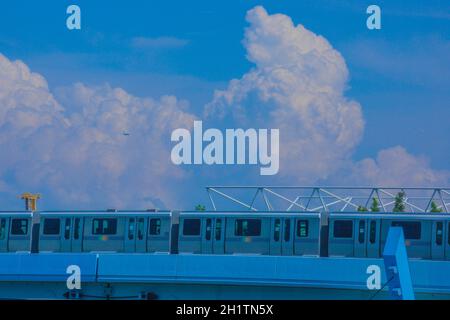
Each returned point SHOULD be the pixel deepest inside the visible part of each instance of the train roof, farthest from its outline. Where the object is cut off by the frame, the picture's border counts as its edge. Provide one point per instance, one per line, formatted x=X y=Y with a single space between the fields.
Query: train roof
x=249 y=213
x=392 y=215
x=89 y=212
x=106 y=212
x=19 y=213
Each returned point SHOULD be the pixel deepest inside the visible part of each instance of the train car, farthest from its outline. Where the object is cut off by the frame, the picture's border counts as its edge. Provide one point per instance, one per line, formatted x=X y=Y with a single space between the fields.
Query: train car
x=364 y=234
x=111 y=231
x=426 y=235
x=265 y=233
x=354 y=235
x=15 y=231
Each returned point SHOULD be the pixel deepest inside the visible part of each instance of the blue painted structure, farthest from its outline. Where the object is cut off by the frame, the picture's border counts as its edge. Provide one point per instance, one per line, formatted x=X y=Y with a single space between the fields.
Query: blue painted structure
x=397 y=266
x=190 y=276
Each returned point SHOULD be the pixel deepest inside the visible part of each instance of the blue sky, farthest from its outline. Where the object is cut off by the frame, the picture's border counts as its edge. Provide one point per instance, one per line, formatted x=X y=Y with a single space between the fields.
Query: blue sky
x=399 y=74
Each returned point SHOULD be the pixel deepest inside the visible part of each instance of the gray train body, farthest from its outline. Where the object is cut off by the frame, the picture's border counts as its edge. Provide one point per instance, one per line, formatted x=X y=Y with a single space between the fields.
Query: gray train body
x=262 y=233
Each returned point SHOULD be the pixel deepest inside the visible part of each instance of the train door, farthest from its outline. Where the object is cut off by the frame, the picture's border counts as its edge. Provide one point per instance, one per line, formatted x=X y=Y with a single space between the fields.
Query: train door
x=359 y=236
x=219 y=236
x=77 y=234
x=437 y=240
x=367 y=238
x=213 y=235
x=135 y=239
x=373 y=236
x=275 y=236
x=207 y=236
x=141 y=234
x=4 y=227
x=287 y=244
x=67 y=234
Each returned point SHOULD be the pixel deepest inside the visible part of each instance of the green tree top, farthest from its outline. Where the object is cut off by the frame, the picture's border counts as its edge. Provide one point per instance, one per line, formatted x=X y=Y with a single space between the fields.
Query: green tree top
x=434 y=207
x=375 y=205
x=362 y=209
x=200 y=207
x=399 y=205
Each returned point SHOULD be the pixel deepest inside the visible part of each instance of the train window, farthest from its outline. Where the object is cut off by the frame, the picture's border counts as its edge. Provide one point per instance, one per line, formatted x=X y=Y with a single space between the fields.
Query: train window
x=343 y=229
x=191 y=227
x=67 y=229
x=140 y=228
x=218 y=229
x=411 y=229
x=373 y=231
x=439 y=232
x=361 y=231
x=277 y=230
x=2 y=229
x=287 y=229
x=19 y=227
x=131 y=229
x=76 y=229
x=155 y=227
x=51 y=226
x=104 y=226
x=302 y=228
x=247 y=227
x=208 y=229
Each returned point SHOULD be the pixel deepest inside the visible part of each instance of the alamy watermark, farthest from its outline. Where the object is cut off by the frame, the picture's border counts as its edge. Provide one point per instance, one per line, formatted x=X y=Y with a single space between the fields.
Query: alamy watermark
x=229 y=148
x=374 y=279
x=74 y=279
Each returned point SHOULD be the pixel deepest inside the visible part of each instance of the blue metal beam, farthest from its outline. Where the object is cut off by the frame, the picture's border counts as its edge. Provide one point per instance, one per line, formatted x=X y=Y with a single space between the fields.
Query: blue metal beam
x=397 y=266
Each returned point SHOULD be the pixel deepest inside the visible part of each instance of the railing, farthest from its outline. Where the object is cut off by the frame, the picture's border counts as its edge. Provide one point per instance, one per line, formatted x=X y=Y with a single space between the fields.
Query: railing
x=336 y=199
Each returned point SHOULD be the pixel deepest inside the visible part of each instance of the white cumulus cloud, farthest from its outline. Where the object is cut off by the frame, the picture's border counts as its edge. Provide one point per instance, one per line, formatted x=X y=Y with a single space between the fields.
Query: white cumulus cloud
x=297 y=85
x=395 y=167
x=78 y=155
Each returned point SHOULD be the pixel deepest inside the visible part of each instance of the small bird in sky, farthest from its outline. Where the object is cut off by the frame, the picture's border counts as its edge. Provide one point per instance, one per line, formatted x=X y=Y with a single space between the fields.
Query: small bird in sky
x=126 y=133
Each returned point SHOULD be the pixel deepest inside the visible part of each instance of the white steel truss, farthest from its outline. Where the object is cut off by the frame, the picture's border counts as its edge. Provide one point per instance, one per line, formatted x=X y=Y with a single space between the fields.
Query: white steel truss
x=329 y=199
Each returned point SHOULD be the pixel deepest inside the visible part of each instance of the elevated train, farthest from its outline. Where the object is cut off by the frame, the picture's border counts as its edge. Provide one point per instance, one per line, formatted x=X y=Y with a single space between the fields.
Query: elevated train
x=358 y=234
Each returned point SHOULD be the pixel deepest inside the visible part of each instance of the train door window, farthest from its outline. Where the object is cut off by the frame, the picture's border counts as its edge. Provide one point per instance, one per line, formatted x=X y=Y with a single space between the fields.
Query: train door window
x=277 y=230
x=104 y=226
x=287 y=229
x=343 y=229
x=140 y=228
x=67 y=229
x=155 y=227
x=76 y=229
x=208 y=229
x=411 y=229
x=131 y=229
x=19 y=227
x=439 y=232
x=51 y=226
x=191 y=227
x=218 y=229
x=361 y=231
x=372 y=231
x=2 y=229
x=247 y=227
x=302 y=228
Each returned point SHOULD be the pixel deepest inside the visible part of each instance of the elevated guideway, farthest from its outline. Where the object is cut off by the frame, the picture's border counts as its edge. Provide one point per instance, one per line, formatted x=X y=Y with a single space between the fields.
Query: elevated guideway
x=188 y=276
